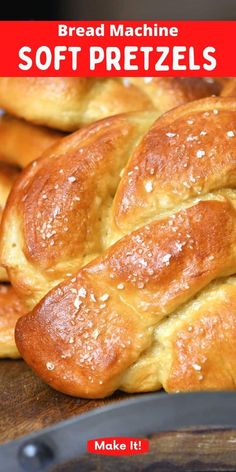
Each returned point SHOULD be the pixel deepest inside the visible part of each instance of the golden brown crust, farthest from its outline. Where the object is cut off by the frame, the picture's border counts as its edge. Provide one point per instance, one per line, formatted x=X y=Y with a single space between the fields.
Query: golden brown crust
x=62 y=207
x=8 y=175
x=22 y=142
x=170 y=92
x=187 y=152
x=11 y=308
x=203 y=342
x=144 y=257
x=66 y=103
x=54 y=221
x=97 y=324
x=229 y=89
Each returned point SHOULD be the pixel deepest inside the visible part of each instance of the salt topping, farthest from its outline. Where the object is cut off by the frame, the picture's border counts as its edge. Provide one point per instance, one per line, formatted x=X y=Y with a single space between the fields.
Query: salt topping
x=71 y=178
x=126 y=82
x=148 y=186
x=50 y=366
x=120 y=286
x=140 y=285
x=170 y=135
x=82 y=292
x=179 y=246
x=147 y=80
x=200 y=153
x=104 y=297
x=77 y=302
x=166 y=259
x=230 y=134
x=192 y=138
x=95 y=334
x=196 y=367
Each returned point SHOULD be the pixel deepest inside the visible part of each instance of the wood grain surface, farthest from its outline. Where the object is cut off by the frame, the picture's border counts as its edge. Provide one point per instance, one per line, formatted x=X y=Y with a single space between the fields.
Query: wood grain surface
x=27 y=404
x=185 y=451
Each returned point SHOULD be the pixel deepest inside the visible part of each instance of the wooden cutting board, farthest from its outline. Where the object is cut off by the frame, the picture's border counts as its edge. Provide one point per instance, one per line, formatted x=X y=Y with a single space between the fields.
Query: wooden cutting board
x=27 y=404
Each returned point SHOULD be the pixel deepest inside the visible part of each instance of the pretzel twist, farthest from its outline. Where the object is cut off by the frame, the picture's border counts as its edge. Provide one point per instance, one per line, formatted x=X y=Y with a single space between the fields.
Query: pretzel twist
x=142 y=212
x=67 y=103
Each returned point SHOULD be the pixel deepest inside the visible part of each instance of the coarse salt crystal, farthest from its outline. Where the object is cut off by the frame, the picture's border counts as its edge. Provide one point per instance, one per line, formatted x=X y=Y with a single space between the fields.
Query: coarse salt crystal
x=126 y=82
x=95 y=334
x=147 y=80
x=104 y=297
x=120 y=286
x=192 y=138
x=82 y=292
x=140 y=285
x=166 y=258
x=200 y=153
x=148 y=186
x=71 y=178
x=77 y=302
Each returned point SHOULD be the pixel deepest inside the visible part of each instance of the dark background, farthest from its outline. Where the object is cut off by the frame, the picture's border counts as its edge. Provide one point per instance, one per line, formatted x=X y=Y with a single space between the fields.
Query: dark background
x=119 y=9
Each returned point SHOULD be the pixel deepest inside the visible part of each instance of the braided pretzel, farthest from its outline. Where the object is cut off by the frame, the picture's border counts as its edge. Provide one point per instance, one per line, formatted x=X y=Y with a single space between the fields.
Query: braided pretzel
x=11 y=308
x=229 y=89
x=7 y=176
x=152 y=254
x=22 y=142
x=66 y=103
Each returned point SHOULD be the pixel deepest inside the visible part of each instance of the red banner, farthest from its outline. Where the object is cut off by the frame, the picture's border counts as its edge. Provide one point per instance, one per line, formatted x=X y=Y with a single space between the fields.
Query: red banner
x=128 y=48
x=118 y=446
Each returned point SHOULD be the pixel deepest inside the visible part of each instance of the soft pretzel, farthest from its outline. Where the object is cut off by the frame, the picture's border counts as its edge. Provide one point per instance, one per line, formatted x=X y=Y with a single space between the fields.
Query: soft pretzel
x=152 y=206
x=229 y=89
x=170 y=92
x=11 y=308
x=54 y=219
x=22 y=142
x=7 y=176
x=67 y=103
